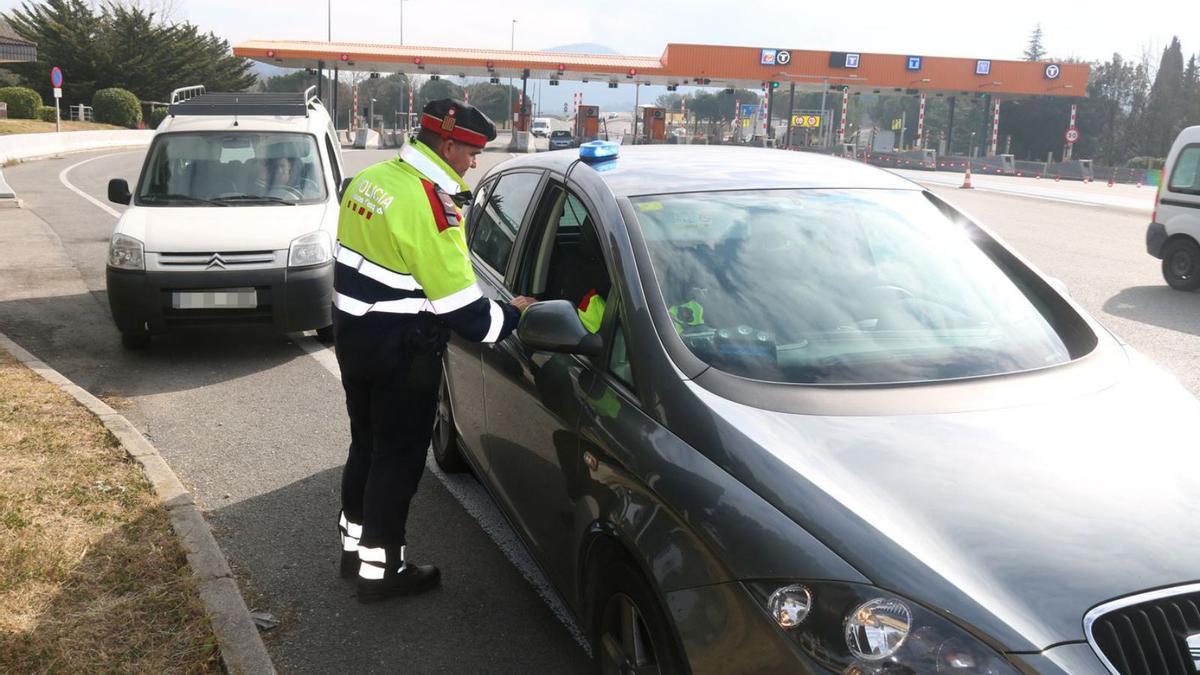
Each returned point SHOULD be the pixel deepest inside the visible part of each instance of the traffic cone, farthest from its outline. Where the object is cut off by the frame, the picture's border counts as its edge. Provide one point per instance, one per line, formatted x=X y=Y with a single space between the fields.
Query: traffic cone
x=1057 y=179
x=966 y=179
x=1139 y=183
x=1110 y=181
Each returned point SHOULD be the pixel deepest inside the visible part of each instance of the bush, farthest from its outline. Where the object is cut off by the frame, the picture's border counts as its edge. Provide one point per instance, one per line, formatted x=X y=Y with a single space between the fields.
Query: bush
x=1146 y=162
x=23 y=102
x=157 y=115
x=46 y=113
x=117 y=106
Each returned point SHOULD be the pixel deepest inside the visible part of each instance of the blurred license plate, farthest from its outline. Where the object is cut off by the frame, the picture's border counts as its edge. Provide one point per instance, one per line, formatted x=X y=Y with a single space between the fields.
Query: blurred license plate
x=225 y=298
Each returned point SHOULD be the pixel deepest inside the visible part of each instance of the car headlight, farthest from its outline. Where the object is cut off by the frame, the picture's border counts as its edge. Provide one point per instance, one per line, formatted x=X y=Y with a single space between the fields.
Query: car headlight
x=861 y=630
x=126 y=253
x=313 y=248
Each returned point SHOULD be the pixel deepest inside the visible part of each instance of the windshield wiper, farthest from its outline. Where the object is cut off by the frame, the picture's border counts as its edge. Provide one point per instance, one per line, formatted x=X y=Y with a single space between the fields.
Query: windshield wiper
x=180 y=198
x=256 y=198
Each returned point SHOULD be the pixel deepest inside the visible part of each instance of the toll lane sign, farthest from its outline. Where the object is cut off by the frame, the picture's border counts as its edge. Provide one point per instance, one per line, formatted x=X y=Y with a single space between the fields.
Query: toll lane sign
x=806 y=121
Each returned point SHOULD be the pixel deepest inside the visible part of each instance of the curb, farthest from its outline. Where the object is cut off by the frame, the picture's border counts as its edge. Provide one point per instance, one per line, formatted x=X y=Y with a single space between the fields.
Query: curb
x=242 y=649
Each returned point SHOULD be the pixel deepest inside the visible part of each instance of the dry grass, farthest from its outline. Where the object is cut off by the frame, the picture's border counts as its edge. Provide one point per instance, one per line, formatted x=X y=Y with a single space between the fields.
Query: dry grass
x=92 y=578
x=9 y=126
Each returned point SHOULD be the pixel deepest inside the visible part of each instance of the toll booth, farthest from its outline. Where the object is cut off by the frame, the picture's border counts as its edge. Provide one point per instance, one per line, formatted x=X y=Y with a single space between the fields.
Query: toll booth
x=587 y=123
x=654 y=124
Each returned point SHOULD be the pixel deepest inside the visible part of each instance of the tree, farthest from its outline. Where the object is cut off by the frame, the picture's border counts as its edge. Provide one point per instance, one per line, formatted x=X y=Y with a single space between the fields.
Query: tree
x=122 y=46
x=669 y=101
x=1166 y=109
x=492 y=99
x=1035 y=51
x=433 y=90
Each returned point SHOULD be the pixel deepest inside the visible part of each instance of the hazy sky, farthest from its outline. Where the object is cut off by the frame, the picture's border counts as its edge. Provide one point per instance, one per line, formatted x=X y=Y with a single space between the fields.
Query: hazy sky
x=964 y=28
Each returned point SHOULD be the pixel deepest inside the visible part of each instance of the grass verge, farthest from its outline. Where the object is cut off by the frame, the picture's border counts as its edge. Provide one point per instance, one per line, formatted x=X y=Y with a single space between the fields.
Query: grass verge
x=11 y=126
x=92 y=578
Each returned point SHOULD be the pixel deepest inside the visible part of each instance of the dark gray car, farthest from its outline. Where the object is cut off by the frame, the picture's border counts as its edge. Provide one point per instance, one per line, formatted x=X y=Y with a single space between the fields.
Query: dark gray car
x=824 y=424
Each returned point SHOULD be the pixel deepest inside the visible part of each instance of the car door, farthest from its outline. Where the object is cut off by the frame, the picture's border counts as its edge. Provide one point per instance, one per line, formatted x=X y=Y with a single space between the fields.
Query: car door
x=533 y=410
x=494 y=220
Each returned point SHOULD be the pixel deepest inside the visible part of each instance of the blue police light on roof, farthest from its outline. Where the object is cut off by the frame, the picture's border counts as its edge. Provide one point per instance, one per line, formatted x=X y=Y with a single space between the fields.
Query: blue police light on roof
x=598 y=151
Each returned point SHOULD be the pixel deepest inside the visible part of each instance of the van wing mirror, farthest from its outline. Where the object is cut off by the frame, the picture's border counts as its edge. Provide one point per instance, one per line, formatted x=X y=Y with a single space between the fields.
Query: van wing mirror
x=118 y=191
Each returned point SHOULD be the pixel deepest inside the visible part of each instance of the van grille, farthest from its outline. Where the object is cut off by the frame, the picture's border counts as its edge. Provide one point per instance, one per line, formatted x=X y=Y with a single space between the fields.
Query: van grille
x=240 y=260
x=1149 y=634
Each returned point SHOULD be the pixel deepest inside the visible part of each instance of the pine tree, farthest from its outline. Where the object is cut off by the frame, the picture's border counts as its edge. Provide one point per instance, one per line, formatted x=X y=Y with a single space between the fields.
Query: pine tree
x=1165 y=109
x=1035 y=51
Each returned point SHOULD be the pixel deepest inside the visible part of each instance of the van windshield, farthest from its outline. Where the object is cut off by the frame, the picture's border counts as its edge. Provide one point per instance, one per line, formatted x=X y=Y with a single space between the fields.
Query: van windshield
x=227 y=168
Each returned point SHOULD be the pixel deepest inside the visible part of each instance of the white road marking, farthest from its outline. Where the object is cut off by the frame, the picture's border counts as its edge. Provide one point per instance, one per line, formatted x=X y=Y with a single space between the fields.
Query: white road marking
x=62 y=178
x=478 y=504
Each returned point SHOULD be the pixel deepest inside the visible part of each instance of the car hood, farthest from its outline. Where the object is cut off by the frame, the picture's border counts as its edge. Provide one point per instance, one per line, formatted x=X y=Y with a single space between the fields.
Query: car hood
x=1015 y=520
x=182 y=229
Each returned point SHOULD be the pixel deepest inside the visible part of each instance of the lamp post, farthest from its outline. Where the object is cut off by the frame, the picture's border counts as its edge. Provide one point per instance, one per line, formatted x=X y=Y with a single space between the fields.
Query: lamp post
x=402 y=22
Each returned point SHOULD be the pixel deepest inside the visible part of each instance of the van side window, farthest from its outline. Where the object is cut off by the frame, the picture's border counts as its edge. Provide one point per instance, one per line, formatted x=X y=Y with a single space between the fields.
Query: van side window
x=333 y=162
x=1185 y=176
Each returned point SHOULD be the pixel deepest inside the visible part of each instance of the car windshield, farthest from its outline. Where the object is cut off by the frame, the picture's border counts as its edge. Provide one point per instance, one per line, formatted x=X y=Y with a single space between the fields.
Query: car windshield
x=839 y=287
x=560 y=134
x=226 y=168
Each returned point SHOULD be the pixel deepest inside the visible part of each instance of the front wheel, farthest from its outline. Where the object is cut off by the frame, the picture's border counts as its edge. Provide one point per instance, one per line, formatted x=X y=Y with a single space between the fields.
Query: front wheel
x=630 y=631
x=1181 y=264
x=446 y=451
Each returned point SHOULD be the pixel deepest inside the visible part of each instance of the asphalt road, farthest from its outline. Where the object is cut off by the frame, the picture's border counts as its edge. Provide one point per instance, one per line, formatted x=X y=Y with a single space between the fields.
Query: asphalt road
x=257 y=429
x=253 y=422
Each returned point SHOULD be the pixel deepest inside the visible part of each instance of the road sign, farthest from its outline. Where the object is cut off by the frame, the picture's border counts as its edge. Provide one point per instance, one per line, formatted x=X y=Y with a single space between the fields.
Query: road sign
x=914 y=63
x=1072 y=135
x=783 y=57
x=806 y=121
x=1053 y=70
x=56 y=77
x=58 y=92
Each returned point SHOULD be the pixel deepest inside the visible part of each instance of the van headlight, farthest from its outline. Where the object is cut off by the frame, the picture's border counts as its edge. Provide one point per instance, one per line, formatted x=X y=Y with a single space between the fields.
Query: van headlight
x=313 y=248
x=861 y=630
x=126 y=253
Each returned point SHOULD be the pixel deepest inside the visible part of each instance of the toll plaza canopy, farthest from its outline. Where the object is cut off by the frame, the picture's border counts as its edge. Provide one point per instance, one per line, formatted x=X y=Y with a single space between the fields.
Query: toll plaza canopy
x=699 y=65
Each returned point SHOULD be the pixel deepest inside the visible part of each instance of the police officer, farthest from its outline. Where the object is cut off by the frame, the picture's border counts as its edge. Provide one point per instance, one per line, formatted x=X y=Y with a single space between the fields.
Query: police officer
x=403 y=280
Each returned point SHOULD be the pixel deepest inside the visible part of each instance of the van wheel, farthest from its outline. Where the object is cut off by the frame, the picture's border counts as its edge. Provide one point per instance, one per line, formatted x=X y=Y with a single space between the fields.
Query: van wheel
x=446 y=451
x=325 y=335
x=135 y=341
x=1181 y=264
x=630 y=631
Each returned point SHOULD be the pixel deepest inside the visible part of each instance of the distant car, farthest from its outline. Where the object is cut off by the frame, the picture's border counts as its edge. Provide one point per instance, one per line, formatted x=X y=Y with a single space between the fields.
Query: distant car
x=232 y=220
x=541 y=127
x=1174 y=232
x=679 y=132
x=561 y=140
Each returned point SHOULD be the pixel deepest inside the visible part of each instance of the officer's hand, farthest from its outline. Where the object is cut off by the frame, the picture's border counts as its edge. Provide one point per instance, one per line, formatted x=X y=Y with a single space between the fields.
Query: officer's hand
x=522 y=302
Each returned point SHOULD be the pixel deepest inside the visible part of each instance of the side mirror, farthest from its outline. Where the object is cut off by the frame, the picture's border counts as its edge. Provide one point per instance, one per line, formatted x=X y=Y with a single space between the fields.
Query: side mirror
x=343 y=187
x=554 y=326
x=118 y=191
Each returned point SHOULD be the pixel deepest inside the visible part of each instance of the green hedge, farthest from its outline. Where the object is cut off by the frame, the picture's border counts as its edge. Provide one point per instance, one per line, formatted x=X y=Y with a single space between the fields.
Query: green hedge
x=46 y=113
x=117 y=106
x=157 y=115
x=23 y=102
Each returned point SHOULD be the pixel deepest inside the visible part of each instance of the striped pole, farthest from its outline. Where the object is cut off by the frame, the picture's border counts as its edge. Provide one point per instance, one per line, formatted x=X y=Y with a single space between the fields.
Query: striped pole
x=354 y=113
x=995 y=128
x=921 y=124
x=1070 y=145
x=845 y=107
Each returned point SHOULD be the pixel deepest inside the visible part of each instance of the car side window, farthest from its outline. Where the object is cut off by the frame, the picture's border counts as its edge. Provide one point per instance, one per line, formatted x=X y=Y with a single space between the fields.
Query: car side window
x=477 y=206
x=1185 y=175
x=500 y=218
x=564 y=260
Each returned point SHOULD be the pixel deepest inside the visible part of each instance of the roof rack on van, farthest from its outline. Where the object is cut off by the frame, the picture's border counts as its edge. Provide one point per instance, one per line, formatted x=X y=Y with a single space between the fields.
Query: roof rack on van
x=195 y=101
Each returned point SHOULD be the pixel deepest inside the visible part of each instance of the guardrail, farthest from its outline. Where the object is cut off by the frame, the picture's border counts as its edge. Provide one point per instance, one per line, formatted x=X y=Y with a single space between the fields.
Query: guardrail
x=20 y=147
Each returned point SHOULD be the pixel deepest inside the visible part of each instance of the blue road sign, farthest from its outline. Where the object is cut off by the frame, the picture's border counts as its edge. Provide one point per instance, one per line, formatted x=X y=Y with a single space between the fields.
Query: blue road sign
x=914 y=63
x=55 y=77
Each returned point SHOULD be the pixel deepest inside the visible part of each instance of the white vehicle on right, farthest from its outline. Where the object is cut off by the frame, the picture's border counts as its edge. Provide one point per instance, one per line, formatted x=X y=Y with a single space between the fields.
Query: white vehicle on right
x=1174 y=232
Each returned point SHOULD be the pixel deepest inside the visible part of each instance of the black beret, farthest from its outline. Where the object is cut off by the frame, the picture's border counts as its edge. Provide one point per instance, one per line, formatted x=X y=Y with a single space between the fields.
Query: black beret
x=452 y=118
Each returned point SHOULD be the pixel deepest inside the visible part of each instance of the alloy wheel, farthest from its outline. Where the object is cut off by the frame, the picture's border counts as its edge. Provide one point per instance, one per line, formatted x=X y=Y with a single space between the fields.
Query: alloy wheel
x=627 y=648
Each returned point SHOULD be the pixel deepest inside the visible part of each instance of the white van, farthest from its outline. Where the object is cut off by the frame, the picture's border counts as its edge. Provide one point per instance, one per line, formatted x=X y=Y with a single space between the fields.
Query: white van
x=233 y=218
x=540 y=127
x=1174 y=232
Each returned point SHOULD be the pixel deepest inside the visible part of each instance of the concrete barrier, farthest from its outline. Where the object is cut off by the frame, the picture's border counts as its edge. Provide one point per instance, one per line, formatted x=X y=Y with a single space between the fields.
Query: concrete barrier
x=366 y=138
x=20 y=147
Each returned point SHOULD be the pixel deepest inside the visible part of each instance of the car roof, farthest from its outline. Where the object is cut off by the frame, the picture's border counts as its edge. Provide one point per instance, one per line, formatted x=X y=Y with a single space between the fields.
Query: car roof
x=662 y=169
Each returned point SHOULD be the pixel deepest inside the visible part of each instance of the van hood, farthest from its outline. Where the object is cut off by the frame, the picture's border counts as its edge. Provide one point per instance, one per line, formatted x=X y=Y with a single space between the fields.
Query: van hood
x=1017 y=520
x=201 y=229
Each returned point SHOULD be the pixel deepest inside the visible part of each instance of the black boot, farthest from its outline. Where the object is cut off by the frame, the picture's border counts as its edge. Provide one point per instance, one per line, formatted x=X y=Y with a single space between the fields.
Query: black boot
x=380 y=578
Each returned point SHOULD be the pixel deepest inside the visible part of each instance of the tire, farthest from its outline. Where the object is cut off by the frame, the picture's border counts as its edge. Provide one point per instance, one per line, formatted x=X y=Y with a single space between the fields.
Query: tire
x=630 y=631
x=325 y=335
x=446 y=451
x=1181 y=264
x=135 y=341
